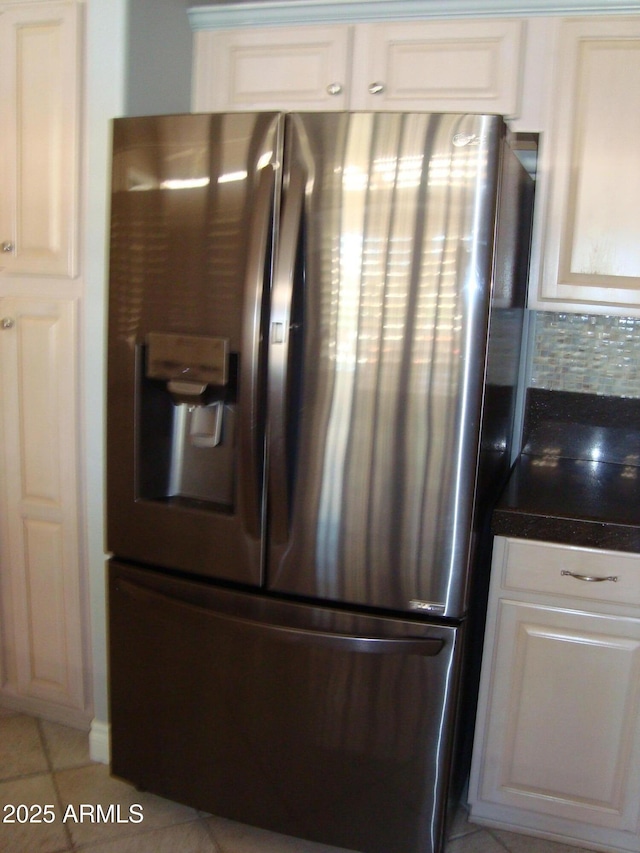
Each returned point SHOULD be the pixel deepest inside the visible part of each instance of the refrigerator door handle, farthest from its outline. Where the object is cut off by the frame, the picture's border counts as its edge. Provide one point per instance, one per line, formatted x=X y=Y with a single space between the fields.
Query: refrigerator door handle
x=279 y=351
x=258 y=248
x=380 y=645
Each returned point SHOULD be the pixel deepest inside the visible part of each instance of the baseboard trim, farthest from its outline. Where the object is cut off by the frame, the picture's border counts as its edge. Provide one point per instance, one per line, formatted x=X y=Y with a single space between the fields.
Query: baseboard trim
x=46 y=710
x=100 y=741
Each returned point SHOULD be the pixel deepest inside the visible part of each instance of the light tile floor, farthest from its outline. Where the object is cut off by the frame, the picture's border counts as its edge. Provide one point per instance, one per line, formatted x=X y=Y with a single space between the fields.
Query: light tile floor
x=44 y=765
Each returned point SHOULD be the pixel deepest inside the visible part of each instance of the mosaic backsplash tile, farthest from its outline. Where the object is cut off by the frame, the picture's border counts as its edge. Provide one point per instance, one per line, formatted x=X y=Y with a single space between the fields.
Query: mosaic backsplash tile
x=586 y=353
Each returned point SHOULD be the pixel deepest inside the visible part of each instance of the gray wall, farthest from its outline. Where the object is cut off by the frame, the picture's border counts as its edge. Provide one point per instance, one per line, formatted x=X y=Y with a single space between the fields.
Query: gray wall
x=159 y=55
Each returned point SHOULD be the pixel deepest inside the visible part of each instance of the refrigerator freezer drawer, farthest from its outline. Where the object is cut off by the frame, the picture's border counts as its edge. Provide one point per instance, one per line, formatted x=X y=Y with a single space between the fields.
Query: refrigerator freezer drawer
x=313 y=722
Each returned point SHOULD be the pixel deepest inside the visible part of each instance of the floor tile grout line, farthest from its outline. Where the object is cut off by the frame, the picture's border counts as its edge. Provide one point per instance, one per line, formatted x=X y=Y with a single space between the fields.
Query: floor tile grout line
x=498 y=840
x=20 y=776
x=54 y=782
x=46 y=772
x=460 y=836
x=137 y=833
x=209 y=829
x=44 y=745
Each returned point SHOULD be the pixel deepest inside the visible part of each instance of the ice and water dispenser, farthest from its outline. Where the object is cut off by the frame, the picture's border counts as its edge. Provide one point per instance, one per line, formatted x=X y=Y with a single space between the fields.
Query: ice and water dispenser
x=187 y=411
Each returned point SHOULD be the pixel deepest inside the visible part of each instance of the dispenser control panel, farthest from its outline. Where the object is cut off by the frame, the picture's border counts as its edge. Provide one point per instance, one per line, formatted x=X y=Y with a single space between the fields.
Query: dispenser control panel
x=187 y=358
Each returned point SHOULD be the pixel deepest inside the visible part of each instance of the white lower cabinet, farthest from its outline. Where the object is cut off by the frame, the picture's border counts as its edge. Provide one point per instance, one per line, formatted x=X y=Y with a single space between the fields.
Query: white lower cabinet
x=43 y=667
x=557 y=746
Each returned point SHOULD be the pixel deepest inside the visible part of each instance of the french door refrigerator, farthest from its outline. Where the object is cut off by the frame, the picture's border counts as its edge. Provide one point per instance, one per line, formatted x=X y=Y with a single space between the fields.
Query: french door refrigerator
x=314 y=334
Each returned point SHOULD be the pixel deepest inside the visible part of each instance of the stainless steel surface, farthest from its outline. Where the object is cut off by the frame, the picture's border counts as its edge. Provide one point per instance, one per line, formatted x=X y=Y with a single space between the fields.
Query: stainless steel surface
x=300 y=719
x=334 y=89
x=398 y=225
x=382 y=250
x=376 y=88
x=191 y=195
x=330 y=465
x=589 y=578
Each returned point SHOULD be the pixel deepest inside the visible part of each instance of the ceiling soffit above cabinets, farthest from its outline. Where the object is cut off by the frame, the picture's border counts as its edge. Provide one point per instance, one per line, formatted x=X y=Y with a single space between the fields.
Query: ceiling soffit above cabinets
x=220 y=15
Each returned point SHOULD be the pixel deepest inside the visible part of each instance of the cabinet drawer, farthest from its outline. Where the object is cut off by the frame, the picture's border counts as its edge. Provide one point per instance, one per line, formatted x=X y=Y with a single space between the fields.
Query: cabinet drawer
x=579 y=573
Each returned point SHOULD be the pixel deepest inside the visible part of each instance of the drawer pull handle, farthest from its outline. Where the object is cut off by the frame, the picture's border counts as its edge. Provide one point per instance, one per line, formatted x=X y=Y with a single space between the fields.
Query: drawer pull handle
x=589 y=578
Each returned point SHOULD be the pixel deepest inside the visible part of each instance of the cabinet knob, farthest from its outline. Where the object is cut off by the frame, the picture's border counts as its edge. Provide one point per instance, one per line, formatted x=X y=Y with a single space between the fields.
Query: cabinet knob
x=7 y=323
x=376 y=88
x=7 y=246
x=334 y=88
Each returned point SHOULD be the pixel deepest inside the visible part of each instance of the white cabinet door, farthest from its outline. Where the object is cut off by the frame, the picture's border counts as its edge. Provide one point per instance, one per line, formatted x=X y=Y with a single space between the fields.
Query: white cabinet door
x=272 y=68
x=39 y=548
x=454 y=66
x=562 y=725
x=38 y=138
x=449 y=66
x=591 y=246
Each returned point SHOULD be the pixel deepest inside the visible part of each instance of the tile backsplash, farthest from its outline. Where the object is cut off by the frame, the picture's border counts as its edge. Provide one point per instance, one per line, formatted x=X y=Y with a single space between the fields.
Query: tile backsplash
x=586 y=353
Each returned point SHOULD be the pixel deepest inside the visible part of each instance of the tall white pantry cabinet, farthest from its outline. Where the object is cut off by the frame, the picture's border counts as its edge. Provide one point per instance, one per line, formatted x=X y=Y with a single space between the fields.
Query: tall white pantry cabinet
x=43 y=643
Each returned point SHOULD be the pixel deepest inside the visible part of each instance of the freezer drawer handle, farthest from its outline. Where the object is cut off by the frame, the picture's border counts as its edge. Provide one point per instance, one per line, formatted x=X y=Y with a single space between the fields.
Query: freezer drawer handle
x=589 y=578
x=424 y=646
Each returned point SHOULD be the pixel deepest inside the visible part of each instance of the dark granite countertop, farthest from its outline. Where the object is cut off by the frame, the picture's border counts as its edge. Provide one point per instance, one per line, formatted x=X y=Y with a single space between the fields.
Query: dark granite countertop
x=572 y=501
x=577 y=481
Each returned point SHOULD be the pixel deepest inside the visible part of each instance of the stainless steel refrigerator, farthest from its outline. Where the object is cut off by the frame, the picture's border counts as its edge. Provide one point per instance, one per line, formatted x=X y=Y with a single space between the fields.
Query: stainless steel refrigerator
x=314 y=335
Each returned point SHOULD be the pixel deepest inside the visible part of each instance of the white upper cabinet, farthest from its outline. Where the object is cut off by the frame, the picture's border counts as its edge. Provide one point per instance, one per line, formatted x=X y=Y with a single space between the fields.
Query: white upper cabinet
x=459 y=66
x=455 y=66
x=591 y=239
x=38 y=135
x=294 y=67
x=574 y=80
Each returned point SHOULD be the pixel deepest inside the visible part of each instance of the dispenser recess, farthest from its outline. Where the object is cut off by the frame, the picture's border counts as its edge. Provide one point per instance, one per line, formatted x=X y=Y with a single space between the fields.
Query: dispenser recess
x=187 y=420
